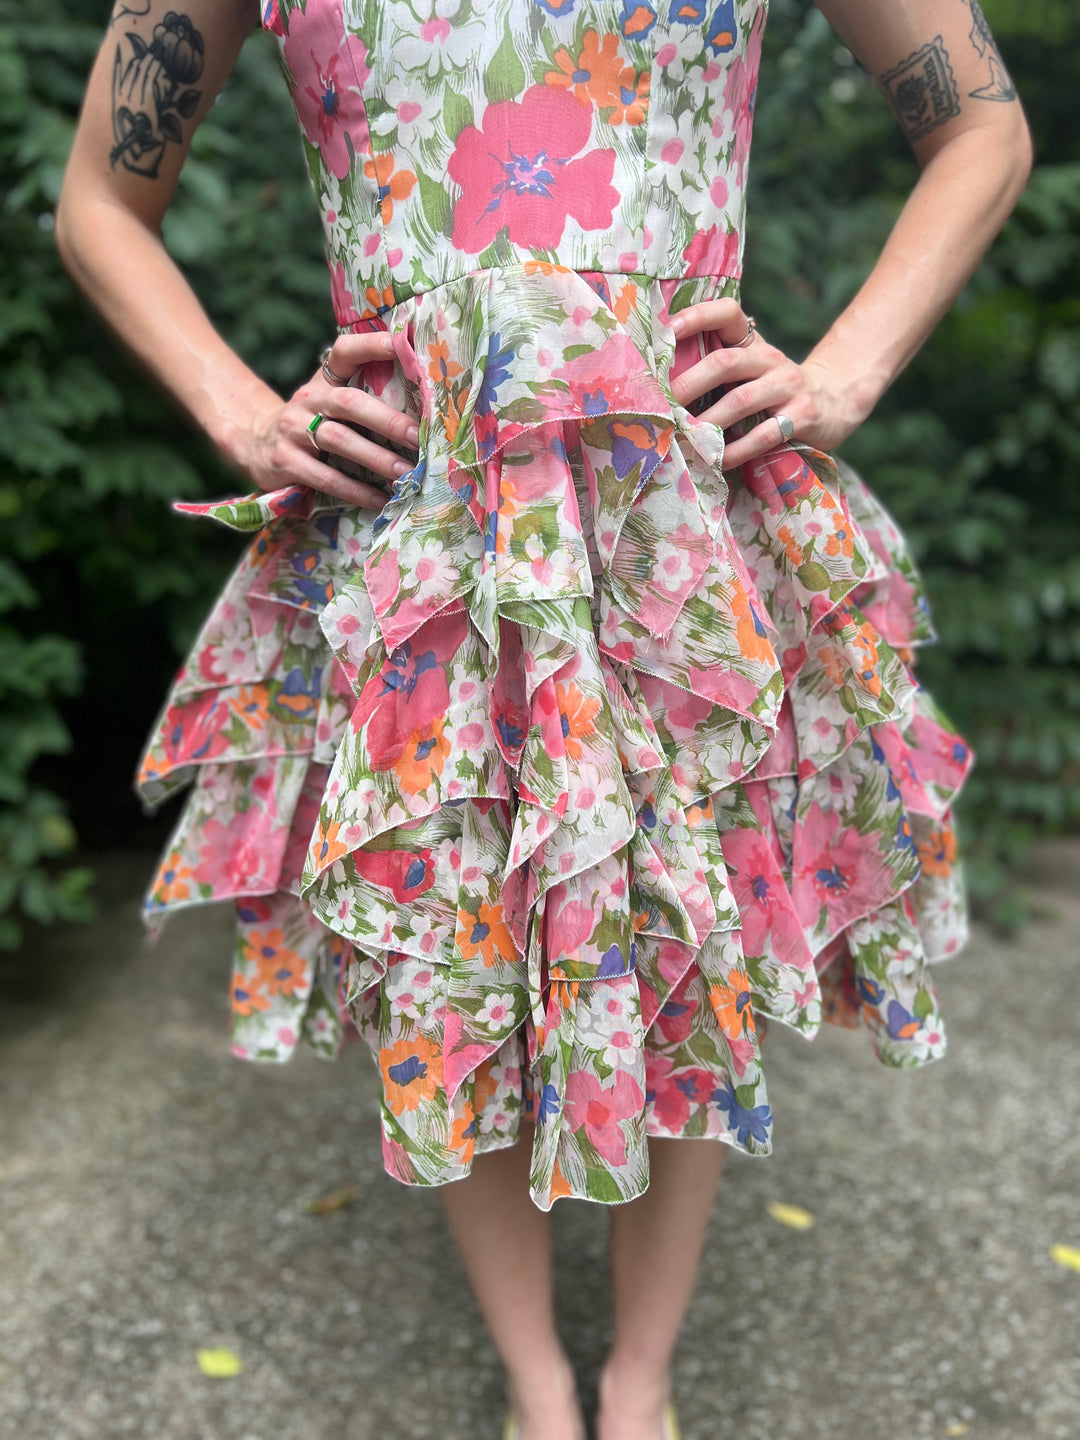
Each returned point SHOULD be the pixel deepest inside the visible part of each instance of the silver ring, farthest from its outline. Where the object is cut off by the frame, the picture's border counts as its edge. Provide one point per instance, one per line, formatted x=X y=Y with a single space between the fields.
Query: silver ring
x=312 y=429
x=748 y=338
x=331 y=377
x=787 y=426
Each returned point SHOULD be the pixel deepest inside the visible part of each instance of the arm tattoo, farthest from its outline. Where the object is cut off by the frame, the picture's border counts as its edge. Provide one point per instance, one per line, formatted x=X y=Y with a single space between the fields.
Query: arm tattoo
x=999 y=87
x=152 y=92
x=923 y=90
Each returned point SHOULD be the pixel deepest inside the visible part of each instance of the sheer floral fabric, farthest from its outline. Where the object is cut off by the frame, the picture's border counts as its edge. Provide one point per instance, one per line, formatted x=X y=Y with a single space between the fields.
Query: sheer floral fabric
x=560 y=773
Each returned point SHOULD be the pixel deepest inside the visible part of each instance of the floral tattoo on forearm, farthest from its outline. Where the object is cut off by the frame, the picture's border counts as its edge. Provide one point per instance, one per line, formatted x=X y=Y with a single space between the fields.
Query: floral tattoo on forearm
x=153 y=91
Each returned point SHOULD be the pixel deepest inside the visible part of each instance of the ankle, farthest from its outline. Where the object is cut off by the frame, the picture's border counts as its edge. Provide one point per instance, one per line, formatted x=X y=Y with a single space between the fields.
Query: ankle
x=625 y=1385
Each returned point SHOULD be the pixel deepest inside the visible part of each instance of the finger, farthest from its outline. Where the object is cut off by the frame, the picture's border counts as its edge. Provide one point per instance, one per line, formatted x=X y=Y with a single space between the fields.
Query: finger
x=309 y=470
x=357 y=407
x=761 y=440
x=350 y=352
x=726 y=317
x=724 y=367
x=334 y=438
x=777 y=389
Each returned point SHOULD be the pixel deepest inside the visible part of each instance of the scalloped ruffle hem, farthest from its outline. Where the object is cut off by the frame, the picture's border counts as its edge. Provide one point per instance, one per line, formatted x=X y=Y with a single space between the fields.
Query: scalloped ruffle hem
x=563 y=770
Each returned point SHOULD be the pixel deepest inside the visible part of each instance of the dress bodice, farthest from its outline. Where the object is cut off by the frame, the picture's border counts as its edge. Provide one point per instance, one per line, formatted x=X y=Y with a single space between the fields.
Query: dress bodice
x=450 y=136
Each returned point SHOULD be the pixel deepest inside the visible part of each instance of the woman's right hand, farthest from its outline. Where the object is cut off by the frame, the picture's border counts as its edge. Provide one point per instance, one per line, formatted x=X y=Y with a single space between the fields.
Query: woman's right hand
x=283 y=451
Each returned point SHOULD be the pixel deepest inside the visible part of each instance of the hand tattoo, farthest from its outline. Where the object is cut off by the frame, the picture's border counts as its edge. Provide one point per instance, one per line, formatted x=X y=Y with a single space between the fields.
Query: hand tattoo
x=923 y=90
x=164 y=70
x=1000 y=86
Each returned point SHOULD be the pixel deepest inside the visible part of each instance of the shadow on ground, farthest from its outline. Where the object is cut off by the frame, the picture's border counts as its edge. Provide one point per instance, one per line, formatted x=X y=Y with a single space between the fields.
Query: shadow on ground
x=154 y=1200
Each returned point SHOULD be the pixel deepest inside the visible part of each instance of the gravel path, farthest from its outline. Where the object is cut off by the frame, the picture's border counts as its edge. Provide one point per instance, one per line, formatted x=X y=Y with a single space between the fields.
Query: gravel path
x=154 y=1200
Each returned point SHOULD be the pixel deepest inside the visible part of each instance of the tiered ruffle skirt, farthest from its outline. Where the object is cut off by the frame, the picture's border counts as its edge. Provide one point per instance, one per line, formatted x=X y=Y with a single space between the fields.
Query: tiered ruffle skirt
x=579 y=758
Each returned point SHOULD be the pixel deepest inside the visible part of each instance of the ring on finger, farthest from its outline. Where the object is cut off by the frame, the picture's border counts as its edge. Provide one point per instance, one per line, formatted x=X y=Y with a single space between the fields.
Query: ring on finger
x=312 y=429
x=787 y=427
x=331 y=376
x=748 y=338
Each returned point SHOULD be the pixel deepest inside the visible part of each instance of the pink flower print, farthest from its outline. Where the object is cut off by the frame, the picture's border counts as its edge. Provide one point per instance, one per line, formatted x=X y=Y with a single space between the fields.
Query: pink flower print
x=837 y=868
x=756 y=883
x=241 y=857
x=341 y=297
x=330 y=71
x=612 y=379
x=669 y=1101
x=598 y=1108
x=714 y=251
x=519 y=172
x=740 y=95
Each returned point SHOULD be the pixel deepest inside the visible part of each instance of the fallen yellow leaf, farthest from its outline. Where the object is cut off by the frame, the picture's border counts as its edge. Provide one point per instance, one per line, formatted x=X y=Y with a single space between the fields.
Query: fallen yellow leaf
x=794 y=1216
x=1067 y=1255
x=956 y=1430
x=335 y=1201
x=218 y=1364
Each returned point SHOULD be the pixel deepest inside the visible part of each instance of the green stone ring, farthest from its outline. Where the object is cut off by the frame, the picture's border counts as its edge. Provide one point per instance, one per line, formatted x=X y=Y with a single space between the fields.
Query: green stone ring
x=316 y=421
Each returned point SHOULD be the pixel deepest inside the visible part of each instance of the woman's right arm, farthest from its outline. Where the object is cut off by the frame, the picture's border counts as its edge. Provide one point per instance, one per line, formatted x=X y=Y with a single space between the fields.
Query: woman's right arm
x=155 y=78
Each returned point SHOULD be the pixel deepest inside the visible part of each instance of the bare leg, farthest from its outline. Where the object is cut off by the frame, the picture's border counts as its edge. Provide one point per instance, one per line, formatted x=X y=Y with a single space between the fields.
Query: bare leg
x=506 y=1249
x=656 y=1244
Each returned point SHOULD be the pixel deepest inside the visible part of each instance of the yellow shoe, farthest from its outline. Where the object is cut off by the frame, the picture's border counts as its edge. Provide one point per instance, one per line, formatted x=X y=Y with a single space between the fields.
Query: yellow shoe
x=671 y=1424
x=510 y=1429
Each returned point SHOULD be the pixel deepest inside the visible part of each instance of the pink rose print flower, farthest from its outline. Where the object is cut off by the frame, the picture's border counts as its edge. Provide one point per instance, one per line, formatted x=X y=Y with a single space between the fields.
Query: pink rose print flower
x=330 y=71
x=713 y=252
x=599 y=1108
x=518 y=171
x=669 y=1101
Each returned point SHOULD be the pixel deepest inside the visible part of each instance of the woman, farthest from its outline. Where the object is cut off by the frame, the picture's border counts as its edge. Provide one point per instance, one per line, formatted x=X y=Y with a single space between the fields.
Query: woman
x=558 y=723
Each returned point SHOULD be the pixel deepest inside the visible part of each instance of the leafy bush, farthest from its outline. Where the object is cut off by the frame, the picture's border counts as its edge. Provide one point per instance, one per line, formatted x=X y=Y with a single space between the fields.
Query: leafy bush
x=974 y=449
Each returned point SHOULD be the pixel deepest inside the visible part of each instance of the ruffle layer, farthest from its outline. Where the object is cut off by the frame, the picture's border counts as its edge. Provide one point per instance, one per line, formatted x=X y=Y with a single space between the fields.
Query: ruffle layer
x=572 y=761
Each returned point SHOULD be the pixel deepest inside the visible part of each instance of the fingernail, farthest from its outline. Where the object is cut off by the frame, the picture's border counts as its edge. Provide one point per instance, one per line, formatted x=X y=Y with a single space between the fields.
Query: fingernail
x=401 y=468
x=412 y=434
x=678 y=323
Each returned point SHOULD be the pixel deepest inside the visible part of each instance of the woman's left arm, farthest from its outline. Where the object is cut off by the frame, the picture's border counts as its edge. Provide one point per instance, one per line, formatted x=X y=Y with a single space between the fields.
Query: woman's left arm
x=941 y=71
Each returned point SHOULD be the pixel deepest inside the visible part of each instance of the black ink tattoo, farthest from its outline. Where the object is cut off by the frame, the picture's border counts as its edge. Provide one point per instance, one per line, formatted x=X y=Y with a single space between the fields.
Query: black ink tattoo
x=163 y=72
x=1000 y=86
x=923 y=90
x=122 y=10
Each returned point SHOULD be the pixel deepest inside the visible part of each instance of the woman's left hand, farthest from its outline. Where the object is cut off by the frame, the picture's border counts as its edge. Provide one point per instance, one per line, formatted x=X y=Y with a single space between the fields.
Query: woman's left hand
x=760 y=379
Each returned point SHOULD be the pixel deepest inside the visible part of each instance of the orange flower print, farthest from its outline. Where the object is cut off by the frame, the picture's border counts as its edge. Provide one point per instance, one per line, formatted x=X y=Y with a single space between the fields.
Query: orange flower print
x=624 y=303
x=423 y=758
x=485 y=934
x=731 y=1005
x=632 y=104
x=173 y=881
x=750 y=631
x=377 y=301
x=545 y=267
x=593 y=79
x=248 y=994
x=485 y=1085
x=867 y=660
x=840 y=542
x=392 y=185
x=451 y=415
x=442 y=369
x=251 y=703
x=792 y=548
x=412 y=1073
x=281 y=970
x=264 y=547
x=576 y=711
x=937 y=851
x=326 y=848
x=463 y=1136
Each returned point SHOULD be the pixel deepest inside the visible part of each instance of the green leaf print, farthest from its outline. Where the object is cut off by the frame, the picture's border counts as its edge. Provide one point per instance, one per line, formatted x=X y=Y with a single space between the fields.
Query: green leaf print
x=457 y=113
x=506 y=77
x=436 y=204
x=812 y=575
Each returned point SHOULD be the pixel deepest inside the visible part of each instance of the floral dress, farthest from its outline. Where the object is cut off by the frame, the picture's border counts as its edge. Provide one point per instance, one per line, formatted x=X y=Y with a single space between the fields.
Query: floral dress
x=560 y=772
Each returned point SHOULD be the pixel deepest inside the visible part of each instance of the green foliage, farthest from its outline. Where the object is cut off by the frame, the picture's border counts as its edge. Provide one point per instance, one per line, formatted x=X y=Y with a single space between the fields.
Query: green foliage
x=101 y=585
x=975 y=449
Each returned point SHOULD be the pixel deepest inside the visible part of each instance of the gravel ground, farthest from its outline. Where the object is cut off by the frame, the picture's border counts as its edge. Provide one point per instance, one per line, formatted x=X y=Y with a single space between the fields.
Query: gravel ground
x=154 y=1200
